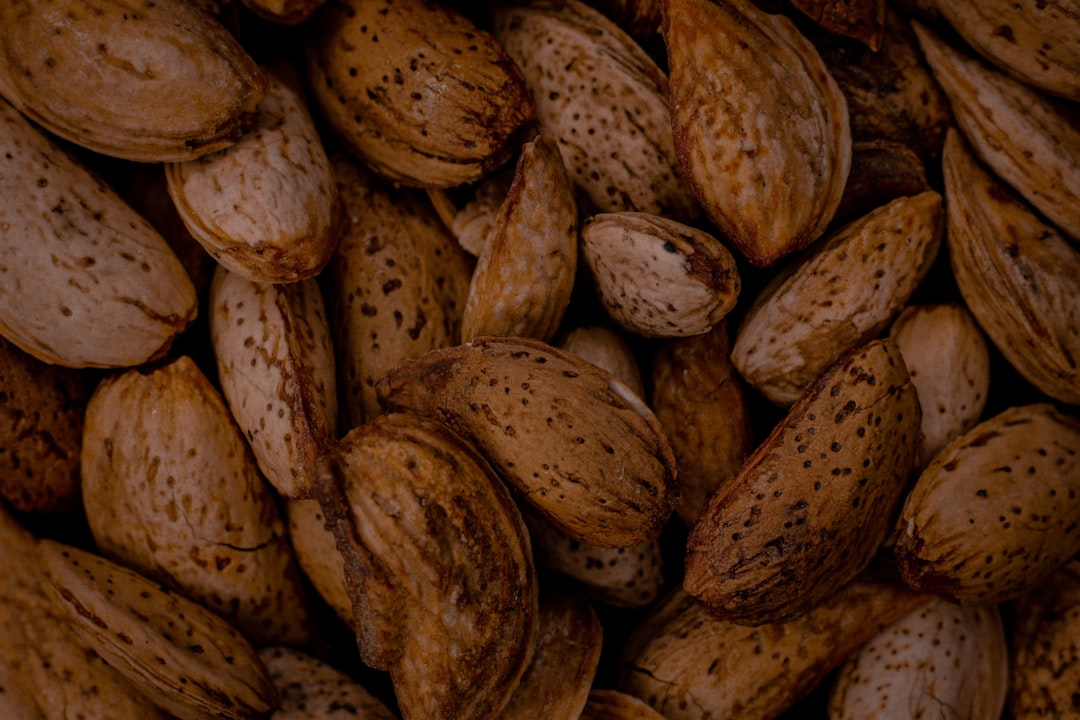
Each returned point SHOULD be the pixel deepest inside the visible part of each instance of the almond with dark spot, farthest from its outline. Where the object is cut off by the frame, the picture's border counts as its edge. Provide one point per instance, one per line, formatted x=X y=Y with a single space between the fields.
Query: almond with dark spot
x=996 y=511
x=608 y=349
x=577 y=444
x=311 y=689
x=810 y=507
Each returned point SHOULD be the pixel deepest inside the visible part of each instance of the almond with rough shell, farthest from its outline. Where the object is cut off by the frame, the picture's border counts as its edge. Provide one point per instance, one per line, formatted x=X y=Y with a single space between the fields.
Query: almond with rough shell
x=311 y=689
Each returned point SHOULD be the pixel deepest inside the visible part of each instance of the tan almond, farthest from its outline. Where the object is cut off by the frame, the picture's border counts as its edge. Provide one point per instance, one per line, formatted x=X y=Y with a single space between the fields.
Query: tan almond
x=607 y=349
x=1019 y=276
x=841 y=293
x=267 y=207
x=1030 y=142
x=576 y=443
x=147 y=82
x=188 y=660
x=87 y=281
x=761 y=128
x=657 y=277
x=603 y=99
x=440 y=569
x=311 y=689
x=318 y=556
x=606 y=704
x=275 y=363
x=471 y=219
x=171 y=489
x=995 y=512
x=416 y=90
x=525 y=272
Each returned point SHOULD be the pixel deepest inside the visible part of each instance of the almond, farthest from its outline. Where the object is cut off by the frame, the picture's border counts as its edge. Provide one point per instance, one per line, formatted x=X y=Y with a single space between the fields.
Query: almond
x=995 y=512
x=576 y=443
x=472 y=219
x=615 y=705
x=87 y=281
x=881 y=171
x=318 y=556
x=267 y=207
x=146 y=82
x=840 y=294
x=285 y=12
x=811 y=505
x=311 y=689
x=761 y=129
x=415 y=89
x=607 y=349
x=863 y=20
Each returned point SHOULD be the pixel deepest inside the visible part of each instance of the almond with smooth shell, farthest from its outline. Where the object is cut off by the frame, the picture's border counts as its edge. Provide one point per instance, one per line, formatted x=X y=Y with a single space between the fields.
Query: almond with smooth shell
x=525 y=272
x=607 y=704
x=267 y=207
x=1019 y=276
x=690 y=665
x=439 y=566
x=142 y=81
x=995 y=512
x=275 y=362
x=761 y=128
x=311 y=689
x=87 y=281
x=398 y=284
x=949 y=362
x=415 y=89
x=812 y=504
x=472 y=219
x=1024 y=137
x=184 y=657
x=939 y=658
x=318 y=556
x=657 y=277
x=841 y=293
x=171 y=489
x=603 y=99
x=576 y=443
x=607 y=349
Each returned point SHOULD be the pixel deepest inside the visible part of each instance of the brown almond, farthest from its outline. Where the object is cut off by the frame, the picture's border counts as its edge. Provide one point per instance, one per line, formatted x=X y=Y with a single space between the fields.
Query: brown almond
x=576 y=443
x=318 y=556
x=311 y=689
x=614 y=705
x=863 y=20
x=284 y=12
x=147 y=82
x=881 y=171
x=607 y=349
x=761 y=129
x=809 y=508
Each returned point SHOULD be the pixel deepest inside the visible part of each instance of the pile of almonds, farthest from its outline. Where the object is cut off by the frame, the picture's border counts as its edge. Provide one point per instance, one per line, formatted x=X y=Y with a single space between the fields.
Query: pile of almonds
x=539 y=359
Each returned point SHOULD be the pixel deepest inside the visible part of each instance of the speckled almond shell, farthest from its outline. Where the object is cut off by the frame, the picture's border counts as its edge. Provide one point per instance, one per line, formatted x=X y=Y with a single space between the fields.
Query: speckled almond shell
x=996 y=512
x=184 y=657
x=87 y=281
x=439 y=566
x=145 y=81
x=576 y=443
x=415 y=89
x=312 y=688
x=606 y=348
x=761 y=128
x=812 y=504
x=605 y=704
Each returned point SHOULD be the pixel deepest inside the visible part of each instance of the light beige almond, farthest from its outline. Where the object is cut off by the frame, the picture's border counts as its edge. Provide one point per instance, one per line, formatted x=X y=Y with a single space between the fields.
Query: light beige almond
x=1019 y=276
x=311 y=689
x=275 y=362
x=572 y=440
x=440 y=569
x=267 y=207
x=525 y=272
x=761 y=128
x=171 y=489
x=143 y=81
x=87 y=281
x=417 y=90
x=841 y=293
x=607 y=349
x=472 y=218
x=657 y=277
x=603 y=99
x=1026 y=139
x=995 y=512
x=188 y=660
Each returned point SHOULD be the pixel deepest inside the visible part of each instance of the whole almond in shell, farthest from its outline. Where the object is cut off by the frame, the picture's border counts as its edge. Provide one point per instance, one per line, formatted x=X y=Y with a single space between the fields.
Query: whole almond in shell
x=604 y=100
x=995 y=512
x=439 y=566
x=576 y=443
x=863 y=20
x=87 y=281
x=841 y=293
x=607 y=349
x=937 y=656
x=148 y=82
x=615 y=705
x=267 y=207
x=275 y=363
x=318 y=556
x=657 y=277
x=761 y=129
x=184 y=657
x=1019 y=276
x=415 y=89
x=525 y=272
x=311 y=689
x=284 y=12
x=171 y=489
x=811 y=505
x=881 y=171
